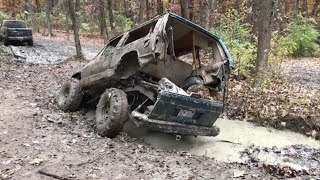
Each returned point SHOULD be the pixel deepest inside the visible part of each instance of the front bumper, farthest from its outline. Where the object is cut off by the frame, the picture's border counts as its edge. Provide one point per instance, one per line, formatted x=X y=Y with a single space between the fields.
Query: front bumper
x=19 y=38
x=179 y=114
x=173 y=127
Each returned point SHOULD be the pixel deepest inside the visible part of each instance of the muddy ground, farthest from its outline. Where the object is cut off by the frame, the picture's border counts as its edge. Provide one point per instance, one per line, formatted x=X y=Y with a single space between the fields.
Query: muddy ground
x=35 y=136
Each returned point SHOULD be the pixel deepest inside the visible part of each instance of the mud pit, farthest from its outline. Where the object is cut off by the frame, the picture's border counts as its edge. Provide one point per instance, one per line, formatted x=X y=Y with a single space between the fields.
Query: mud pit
x=234 y=138
x=50 y=51
x=35 y=135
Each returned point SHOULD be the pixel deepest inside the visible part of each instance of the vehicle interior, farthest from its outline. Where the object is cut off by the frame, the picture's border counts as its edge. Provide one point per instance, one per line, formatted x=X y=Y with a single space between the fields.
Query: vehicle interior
x=190 y=53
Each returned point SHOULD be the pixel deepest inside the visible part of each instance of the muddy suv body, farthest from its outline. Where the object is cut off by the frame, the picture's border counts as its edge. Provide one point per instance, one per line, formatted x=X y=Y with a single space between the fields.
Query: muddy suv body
x=145 y=75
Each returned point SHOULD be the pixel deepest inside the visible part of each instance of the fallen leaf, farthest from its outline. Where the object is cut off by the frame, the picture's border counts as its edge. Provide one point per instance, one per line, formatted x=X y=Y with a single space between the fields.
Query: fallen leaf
x=36 y=161
x=239 y=173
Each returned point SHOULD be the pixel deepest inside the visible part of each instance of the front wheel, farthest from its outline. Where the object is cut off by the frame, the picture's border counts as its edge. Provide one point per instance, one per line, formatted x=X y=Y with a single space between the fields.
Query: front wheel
x=30 y=42
x=112 y=112
x=6 y=42
x=70 y=96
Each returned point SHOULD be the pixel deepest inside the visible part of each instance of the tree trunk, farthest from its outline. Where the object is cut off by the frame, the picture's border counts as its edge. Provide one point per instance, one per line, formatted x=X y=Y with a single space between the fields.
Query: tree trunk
x=102 y=18
x=222 y=4
x=141 y=11
x=305 y=7
x=48 y=16
x=191 y=10
x=238 y=5
x=111 y=19
x=26 y=7
x=185 y=11
x=281 y=13
x=286 y=7
x=255 y=16
x=154 y=7
x=159 y=7
x=92 y=12
x=205 y=13
x=266 y=20
x=38 y=9
x=148 y=9
x=33 y=18
x=75 y=27
x=315 y=7
x=67 y=27
x=296 y=6
x=208 y=15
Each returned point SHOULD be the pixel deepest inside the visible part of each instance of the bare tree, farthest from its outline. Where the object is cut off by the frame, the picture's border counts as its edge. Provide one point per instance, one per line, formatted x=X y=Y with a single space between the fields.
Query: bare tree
x=315 y=7
x=141 y=11
x=238 y=5
x=103 y=23
x=256 y=13
x=111 y=18
x=191 y=10
x=38 y=6
x=159 y=6
x=296 y=6
x=185 y=11
x=48 y=16
x=208 y=13
x=204 y=6
x=148 y=9
x=266 y=19
x=75 y=27
x=33 y=18
x=305 y=7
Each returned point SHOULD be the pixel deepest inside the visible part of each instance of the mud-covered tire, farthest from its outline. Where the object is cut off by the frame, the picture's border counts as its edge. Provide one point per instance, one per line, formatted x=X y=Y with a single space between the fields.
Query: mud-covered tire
x=112 y=112
x=190 y=81
x=30 y=43
x=70 y=96
x=6 y=42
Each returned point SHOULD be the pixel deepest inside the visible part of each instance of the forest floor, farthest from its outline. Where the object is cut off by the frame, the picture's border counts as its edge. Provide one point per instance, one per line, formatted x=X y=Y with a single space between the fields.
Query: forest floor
x=37 y=138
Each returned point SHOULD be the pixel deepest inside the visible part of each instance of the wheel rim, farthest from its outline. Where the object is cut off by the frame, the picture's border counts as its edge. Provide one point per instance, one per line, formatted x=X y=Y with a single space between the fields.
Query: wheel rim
x=104 y=111
x=63 y=94
x=66 y=91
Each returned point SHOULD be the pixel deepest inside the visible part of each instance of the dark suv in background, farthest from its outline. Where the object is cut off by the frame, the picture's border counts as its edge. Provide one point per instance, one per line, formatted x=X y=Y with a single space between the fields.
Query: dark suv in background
x=15 y=31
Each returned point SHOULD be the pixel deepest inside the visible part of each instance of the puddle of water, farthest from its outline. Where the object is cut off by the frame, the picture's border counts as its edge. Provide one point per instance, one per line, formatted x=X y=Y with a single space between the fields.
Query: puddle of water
x=235 y=136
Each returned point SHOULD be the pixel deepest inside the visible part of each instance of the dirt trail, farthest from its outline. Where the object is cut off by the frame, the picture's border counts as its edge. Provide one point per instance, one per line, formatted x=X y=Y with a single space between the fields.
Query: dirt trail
x=35 y=135
x=304 y=72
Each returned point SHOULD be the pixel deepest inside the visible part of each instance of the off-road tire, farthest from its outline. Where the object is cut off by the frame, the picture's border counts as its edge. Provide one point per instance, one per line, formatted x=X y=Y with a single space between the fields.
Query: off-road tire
x=30 y=43
x=70 y=96
x=112 y=112
x=190 y=81
x=6 y=42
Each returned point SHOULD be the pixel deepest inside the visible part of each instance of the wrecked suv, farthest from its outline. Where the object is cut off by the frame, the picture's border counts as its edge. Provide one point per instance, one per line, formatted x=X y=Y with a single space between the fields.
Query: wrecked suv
x=145 y=74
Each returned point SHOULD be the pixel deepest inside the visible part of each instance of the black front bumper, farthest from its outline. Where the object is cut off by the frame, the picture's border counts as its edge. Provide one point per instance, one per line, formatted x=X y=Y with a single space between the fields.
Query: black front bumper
x=183 y=115
x=19 y=38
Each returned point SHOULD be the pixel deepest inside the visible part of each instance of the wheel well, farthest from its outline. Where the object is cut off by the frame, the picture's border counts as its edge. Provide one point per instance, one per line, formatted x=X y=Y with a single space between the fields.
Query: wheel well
x=77 y=75
x=129 y=65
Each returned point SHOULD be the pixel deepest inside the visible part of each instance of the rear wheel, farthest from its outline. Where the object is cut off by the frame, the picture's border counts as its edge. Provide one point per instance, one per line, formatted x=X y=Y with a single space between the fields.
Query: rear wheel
x=112 y=112
x=70 y=96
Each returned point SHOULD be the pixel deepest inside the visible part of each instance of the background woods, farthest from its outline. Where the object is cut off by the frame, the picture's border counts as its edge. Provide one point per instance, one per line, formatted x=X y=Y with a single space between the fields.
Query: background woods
x=123 y=14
